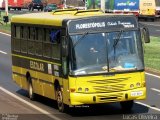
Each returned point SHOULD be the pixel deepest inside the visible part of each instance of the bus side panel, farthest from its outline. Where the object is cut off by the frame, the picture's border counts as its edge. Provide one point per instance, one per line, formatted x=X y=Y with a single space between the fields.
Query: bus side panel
x=66 y=91
x=19 y=77
x=43 y=84
x=46 y=82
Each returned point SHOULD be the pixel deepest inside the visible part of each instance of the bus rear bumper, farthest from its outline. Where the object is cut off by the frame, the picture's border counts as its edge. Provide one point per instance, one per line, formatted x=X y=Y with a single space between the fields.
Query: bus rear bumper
x=94 y=98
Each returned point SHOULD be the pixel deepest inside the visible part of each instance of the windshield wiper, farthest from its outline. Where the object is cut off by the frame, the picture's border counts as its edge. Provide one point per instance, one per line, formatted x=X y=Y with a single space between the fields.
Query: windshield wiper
x=117 y=38
x=116 y=42
x=79 y=40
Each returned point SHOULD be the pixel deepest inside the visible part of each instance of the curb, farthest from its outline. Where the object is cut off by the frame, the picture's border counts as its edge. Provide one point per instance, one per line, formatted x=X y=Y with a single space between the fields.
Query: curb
x=152 y=71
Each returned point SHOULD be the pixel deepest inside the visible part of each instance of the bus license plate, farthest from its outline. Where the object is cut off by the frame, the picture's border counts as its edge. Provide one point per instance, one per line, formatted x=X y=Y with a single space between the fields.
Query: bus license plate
x=136 y=93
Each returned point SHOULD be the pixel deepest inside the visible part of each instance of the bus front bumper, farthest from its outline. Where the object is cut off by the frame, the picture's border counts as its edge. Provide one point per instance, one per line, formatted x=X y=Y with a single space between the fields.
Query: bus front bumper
x=94 y=98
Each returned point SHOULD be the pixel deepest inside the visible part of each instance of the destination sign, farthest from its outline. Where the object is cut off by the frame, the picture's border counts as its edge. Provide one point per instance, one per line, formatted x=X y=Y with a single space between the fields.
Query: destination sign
x=101 y=24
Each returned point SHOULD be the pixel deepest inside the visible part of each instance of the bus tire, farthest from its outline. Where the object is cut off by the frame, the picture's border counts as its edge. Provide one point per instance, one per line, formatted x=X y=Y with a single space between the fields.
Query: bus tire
x=30 y=89
x=59 y=97
x=127 y=105
x=152 y=19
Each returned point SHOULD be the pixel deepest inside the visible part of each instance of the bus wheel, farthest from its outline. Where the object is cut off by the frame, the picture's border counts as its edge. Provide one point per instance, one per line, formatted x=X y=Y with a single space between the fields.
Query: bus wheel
x=127 y=105
x=60 y=100
x=30 y=90
x=152 y=19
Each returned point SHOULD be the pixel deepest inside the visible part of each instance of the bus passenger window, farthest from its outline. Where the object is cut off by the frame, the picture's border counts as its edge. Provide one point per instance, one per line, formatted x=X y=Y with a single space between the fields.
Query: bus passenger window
x=31 y=33
x=17 y=39
x=38 y=48
x=47 y=49
x=31 y=48
x=56 y=51
x=47 y=46
x=24 y=32
x=39 y=34
x=16 y=44
x=55 y=36
x=38 y=41
x=17 y=33
x=47 y=35
x=24 y=35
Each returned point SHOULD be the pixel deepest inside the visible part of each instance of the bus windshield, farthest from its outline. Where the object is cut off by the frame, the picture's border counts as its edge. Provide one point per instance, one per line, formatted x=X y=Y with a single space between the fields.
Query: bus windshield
x=95 y=53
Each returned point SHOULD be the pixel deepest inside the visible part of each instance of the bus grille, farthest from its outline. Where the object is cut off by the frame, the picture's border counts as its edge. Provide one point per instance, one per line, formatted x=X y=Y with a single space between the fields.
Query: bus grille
x=109 y=85
x=109 y=88
x=110 y=98
x=108 y=81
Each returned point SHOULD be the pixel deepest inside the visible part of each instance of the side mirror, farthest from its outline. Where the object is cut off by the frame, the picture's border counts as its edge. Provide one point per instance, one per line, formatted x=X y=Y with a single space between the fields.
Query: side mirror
x=64 y=47
x=64 y=66
x=145 y=34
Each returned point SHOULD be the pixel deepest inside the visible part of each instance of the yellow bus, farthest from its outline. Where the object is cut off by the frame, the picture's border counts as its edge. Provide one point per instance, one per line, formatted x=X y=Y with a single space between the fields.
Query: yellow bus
x=79 y=57
x=149 y=9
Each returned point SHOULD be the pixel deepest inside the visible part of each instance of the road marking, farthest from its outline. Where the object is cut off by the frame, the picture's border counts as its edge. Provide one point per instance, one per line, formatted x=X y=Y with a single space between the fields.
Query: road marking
x=3 y=52
x=30 y=104
x=5 y=34
x=154 y=89
x=154 y=108
x=152 y=24
x=153 y=75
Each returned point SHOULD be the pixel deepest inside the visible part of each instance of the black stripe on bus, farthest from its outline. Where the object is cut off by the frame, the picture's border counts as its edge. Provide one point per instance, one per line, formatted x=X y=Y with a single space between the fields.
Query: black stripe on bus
x=39 y=65
x=33 y=78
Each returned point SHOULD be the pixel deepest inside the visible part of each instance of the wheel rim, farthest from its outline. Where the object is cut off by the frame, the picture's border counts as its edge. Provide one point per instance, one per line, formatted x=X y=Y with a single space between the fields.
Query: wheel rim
x=30 y=91
x=60 y=100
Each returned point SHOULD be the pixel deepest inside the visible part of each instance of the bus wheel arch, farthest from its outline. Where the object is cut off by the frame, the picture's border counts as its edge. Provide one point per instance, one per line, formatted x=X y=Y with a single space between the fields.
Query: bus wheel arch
x=59 y=97
x=30 y=86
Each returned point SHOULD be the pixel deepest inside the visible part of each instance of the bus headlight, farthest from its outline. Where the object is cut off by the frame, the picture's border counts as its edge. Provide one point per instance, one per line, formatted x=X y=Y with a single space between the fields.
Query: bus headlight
x=144 y=84
x=86 y=89
x=138 y=84
x=131 y=86
x=79 y=89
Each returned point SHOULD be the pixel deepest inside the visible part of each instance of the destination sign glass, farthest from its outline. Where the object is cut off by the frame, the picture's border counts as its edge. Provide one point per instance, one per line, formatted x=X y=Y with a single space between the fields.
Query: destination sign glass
x=93 y=24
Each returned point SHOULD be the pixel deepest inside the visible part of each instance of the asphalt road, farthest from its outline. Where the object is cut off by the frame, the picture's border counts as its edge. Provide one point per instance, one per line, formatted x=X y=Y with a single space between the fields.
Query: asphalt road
x=14 y=101
x=154 y=27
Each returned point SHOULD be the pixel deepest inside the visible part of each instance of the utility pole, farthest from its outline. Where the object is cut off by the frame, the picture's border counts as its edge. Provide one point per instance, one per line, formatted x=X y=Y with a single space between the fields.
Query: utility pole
x=85 y=4
x=103 y=5
x=6 y=7
x=5 y=18
x=65 y=6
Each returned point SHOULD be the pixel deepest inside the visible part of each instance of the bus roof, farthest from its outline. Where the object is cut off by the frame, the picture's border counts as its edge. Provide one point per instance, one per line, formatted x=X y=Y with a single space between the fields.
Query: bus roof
x=57 y=17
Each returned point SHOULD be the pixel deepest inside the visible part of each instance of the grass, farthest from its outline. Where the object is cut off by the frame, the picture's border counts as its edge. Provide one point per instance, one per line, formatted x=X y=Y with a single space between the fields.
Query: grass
x=152 y=54
x=3 y=26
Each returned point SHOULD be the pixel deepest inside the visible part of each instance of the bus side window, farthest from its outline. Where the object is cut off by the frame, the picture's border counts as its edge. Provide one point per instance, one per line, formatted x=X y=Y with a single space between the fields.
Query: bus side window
x=17 y=38
x=47 y=46
x=38 y=41
x=31 y=46
x=56 y=51
x=18 y=32
x=55 y=40
x=24 y=37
